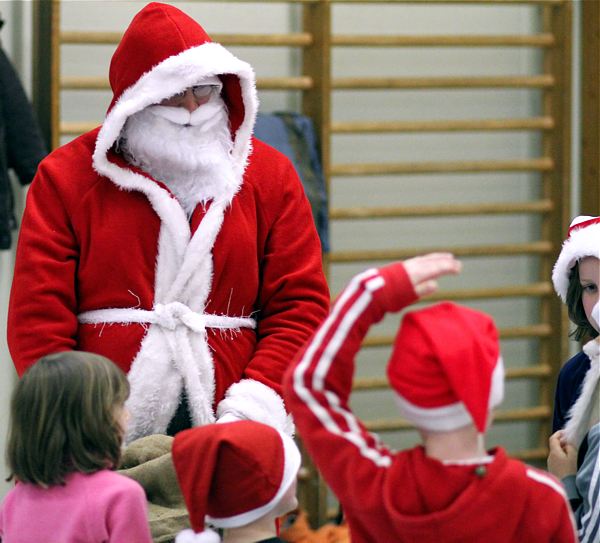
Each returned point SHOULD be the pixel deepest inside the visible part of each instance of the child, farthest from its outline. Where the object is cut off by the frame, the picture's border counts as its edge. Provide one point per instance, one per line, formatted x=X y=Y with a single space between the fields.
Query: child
x=575 y=451
x=66 y=429
x=582 y=247
x=245 y=480
x=447 y=374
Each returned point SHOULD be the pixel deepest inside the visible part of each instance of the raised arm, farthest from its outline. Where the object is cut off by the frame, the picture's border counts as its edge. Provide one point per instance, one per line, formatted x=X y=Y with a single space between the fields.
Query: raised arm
x=317 y=387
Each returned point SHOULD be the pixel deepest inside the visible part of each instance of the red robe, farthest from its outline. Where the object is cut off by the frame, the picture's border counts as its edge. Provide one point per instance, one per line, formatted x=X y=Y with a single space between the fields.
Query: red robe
x=98 y=234
x=407 y=496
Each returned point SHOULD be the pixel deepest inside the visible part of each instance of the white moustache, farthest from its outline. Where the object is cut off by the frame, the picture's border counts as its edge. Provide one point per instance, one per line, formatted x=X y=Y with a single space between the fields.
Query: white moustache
x=204 y=117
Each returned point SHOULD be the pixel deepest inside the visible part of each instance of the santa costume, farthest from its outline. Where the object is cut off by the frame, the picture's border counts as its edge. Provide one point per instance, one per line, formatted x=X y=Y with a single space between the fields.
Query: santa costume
x=206 y=302
x=247 y=473
x=583 y=240
x=447 y=373
x=577 y=402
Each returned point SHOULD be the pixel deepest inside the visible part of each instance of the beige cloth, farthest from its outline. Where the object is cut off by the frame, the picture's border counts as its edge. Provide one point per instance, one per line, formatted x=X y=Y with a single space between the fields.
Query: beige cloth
x=148 y=461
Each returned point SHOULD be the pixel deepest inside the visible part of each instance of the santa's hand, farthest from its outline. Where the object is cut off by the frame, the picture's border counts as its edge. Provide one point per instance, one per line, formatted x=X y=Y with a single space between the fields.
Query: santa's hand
x=562 y=458
x=424 y=270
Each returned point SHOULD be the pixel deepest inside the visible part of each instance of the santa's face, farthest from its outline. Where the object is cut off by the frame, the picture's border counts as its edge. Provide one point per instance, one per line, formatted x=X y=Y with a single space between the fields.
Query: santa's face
x=192 y=97
x=186 y=146
x=589 y=278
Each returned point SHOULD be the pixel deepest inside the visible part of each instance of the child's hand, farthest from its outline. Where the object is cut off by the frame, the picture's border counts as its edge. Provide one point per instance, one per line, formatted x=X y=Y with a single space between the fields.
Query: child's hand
x=562 y=459
x=424 y=270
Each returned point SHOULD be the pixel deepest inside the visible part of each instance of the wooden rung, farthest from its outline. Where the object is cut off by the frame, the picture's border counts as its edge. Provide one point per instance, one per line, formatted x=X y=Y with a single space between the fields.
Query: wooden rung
x=540 y=412
x=89 y=38
x=471 y=125
x=265 y=83
x=493 y=293
x=84 y=83
x=515 y=332
x=382 y=83
x=543 y=164
x=534 y=248
x=357 y=40
x=530 y=331
x=284 y=83
x=542 y=123
x=541 y=371
x=301 y=39
x=530 y=455
x=354 y=213
x=525 y=413
x=75 y=129
x=513 y=291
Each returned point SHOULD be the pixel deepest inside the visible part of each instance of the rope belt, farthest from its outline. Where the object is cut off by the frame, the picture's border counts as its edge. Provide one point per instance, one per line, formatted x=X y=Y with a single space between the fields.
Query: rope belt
x=168 y=316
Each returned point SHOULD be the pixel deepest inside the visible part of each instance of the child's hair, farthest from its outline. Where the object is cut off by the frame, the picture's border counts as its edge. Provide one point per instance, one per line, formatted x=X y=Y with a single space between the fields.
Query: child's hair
x=64 y=418
x=575 y=307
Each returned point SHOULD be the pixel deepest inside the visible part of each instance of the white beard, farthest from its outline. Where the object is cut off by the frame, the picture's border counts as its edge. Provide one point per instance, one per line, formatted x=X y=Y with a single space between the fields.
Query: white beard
x=190 y=153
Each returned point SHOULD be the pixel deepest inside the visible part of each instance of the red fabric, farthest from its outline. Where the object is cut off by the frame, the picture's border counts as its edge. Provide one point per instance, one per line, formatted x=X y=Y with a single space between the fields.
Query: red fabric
x=240 y=468
x=445 y=354
x=85 y=244
x=405 y=496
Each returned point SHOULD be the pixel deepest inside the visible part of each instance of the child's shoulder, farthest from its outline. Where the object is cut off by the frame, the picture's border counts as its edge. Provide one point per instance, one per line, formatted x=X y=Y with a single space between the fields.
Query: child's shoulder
x=542 y=486
x=574 y=370
x=105 y=483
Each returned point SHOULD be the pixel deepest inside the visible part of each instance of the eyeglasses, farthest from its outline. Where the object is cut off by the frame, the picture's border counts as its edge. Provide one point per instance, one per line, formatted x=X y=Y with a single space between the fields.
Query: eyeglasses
x=199 y=91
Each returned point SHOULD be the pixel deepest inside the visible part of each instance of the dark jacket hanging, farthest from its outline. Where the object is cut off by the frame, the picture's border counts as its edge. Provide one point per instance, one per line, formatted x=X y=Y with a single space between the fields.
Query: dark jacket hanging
x=21 y=144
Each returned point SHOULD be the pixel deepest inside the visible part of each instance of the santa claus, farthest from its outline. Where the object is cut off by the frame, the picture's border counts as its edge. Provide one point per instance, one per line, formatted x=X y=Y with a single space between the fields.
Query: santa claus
x=172 y=241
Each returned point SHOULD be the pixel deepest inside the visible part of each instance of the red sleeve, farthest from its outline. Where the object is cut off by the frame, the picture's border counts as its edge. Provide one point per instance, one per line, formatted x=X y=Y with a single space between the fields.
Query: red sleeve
x=317 y=388
x=293 y=297
x=42 y=309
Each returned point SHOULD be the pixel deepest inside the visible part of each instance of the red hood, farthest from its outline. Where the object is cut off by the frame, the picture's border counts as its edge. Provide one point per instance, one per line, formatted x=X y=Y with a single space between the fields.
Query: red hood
x=162 y=52
x=157 y=32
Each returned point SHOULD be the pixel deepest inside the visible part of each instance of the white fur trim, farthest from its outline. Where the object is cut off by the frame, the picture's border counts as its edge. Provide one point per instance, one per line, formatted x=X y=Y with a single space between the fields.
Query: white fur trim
x=586 y=409
x=189 y=536
x=177 y=357
x=453 y=416
x=581 y=243
x=252 y=400
x=290 y=473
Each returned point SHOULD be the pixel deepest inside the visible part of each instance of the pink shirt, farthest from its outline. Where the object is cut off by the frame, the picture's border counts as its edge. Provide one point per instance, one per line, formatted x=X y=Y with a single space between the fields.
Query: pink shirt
x=96 y=508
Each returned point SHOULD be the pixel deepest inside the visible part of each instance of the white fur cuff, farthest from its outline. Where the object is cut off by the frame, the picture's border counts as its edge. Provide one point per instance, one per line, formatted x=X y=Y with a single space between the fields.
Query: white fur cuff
x=251 y=400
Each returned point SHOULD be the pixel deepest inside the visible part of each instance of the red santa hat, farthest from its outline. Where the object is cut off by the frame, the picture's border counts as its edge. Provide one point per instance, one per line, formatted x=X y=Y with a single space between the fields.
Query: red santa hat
x=583 y=239
x=232 y=474
x=446 y=367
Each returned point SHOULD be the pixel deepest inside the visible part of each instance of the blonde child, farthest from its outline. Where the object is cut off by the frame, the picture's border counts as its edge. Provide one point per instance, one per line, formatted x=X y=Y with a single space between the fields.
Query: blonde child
x=66 y=429
x=574 y=454
x=447 y=374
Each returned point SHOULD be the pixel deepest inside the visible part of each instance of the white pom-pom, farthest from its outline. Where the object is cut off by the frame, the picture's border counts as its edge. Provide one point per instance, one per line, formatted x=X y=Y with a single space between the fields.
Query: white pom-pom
x=189 y=536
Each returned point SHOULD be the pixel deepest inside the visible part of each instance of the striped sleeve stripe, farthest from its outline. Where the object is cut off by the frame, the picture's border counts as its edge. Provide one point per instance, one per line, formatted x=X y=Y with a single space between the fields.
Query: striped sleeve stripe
x=590 y=522
x=548 y=481
x=554 y=485
x=347 y=310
